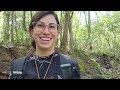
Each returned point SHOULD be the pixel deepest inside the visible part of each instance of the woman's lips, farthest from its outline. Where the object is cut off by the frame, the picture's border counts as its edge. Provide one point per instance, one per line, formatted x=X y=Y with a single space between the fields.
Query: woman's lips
x=45 y=39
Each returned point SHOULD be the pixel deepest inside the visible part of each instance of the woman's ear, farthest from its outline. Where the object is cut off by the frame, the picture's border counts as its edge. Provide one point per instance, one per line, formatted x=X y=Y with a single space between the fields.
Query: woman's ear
x=58 y=34
x=31 y=32
x=59 y=30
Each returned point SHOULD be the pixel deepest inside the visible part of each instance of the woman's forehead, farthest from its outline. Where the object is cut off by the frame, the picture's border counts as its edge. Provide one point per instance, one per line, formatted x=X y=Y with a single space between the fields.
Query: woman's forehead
x=48 y=19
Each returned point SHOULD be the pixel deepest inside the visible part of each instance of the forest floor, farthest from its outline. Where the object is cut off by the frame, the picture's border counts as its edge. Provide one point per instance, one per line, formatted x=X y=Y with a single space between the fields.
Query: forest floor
x=8 y=53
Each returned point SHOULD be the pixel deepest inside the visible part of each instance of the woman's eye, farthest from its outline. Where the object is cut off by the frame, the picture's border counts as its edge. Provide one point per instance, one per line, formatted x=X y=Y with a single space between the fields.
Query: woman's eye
x=40 y=25
x=52 y=26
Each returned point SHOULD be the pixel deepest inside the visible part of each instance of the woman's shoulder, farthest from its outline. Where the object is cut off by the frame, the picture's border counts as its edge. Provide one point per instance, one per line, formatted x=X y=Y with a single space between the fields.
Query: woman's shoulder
x=68 y=58
x=74 y=65
x=19 y=61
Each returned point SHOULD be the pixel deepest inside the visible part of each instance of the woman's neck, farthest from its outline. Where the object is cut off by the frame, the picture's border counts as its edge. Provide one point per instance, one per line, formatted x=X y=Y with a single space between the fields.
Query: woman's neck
x=44 y=52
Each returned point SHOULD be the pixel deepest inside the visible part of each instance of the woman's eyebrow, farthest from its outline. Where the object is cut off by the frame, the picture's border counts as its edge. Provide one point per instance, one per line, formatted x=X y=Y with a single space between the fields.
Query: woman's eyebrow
x=44 y=22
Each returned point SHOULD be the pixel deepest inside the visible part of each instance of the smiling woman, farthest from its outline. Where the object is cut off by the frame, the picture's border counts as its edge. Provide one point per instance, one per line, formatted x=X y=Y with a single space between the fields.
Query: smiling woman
x=45 y=62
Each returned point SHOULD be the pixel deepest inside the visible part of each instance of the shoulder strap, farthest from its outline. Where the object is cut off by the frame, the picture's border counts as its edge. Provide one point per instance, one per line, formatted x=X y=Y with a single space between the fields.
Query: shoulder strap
x=65 y=61
x=17 y=68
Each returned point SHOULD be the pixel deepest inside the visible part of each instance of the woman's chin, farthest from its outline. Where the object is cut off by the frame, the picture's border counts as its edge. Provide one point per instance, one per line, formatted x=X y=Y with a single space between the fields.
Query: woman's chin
x=44 y=46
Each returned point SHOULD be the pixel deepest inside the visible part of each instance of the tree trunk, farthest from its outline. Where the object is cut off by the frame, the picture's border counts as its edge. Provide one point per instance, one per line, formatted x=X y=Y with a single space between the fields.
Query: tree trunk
x=23 y=26
x=64 y=42
x=60 y=32
x=12 y=26
x=61 y=28
x=6 y=26
x=88 y=24
x=30 y=14
x=24 y=23
x=89 y=31
x=71 y=32
x=16 y=30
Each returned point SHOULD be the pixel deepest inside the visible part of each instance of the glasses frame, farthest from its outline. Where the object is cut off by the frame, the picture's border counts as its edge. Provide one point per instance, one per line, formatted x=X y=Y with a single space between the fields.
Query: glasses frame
x=35 y=23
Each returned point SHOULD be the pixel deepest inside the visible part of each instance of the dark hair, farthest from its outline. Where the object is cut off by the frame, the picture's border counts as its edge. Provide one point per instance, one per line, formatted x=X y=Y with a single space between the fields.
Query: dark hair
x=37 y=17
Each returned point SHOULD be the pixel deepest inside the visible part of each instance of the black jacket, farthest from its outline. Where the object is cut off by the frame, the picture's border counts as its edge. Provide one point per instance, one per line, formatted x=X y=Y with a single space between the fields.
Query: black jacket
x=54 y=72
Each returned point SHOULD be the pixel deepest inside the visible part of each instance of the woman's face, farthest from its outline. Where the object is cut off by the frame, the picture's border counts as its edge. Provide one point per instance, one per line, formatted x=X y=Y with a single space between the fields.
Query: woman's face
x=45 y=32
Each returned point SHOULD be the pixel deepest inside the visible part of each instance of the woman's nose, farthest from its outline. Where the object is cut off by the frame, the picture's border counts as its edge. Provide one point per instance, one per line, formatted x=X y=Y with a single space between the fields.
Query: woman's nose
x=46 y=30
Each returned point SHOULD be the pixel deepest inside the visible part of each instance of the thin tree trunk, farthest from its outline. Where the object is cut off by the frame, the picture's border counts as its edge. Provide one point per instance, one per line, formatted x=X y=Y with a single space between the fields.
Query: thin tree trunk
x=23 y=26
x=12 y=26
x=85 y=18
x=88 y=24
x=89 y=31
x=30 y=14
x=71 y=33
x=60 y=36
x=61 y=28
x=15 y=24
x=6 y=26
x=24 y=19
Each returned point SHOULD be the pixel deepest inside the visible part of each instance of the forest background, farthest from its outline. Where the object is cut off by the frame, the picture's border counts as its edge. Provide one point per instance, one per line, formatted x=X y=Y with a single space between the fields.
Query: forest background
x=91 y=37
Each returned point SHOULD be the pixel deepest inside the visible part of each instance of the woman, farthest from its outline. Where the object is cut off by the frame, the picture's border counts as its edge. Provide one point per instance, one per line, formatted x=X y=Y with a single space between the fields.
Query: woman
x=45 y=62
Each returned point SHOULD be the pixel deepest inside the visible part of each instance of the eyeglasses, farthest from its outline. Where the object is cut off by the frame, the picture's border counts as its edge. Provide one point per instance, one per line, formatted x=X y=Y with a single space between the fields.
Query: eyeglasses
x=41 y=26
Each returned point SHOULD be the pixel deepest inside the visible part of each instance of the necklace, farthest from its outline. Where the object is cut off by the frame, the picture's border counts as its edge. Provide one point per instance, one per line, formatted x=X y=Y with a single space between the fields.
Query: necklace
x=41 y=66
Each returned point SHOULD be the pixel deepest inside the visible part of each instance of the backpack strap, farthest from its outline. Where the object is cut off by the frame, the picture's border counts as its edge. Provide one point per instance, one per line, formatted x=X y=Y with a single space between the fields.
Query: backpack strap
x=66 y=66
x=17 y=68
